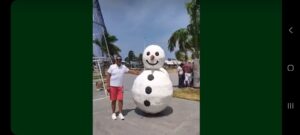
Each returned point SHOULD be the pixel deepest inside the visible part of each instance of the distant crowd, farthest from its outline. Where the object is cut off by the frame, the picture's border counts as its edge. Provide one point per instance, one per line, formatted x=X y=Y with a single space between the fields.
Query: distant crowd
x=185 y=74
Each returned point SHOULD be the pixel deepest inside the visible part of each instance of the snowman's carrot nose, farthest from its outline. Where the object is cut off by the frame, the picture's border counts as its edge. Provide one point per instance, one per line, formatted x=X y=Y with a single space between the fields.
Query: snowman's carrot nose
x=152 y=57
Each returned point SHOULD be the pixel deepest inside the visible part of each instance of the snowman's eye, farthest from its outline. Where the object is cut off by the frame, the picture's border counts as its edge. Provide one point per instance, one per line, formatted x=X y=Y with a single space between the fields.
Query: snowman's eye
x=156 y=53
x=148 y=53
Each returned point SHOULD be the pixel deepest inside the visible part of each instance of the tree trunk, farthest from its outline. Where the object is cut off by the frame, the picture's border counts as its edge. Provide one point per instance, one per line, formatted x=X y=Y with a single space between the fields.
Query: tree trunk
x=186 y=56
x=196 y=73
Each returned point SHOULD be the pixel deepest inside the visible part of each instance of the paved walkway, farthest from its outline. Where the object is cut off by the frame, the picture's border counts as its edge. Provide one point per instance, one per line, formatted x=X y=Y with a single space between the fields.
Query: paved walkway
x=181 y=117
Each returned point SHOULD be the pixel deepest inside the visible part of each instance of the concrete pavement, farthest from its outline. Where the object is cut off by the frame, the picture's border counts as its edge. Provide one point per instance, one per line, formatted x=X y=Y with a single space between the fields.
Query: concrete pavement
x=180 y=117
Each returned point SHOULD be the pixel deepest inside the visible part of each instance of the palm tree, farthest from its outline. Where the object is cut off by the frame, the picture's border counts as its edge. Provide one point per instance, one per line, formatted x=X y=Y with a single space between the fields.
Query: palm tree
x=110 y=40
x=181 y=39
x=140 y=59
x=193 y=9
x=127 y=61
x=131 y=56
x=180 y=55
x=102 y=46
x=187 y=39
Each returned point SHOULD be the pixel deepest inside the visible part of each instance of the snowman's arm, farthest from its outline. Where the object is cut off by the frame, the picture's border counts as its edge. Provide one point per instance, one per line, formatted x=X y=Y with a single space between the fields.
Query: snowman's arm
x=164 y=71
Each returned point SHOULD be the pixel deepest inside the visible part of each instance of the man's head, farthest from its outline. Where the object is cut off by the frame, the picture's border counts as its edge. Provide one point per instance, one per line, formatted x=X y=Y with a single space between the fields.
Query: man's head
x=118 y=60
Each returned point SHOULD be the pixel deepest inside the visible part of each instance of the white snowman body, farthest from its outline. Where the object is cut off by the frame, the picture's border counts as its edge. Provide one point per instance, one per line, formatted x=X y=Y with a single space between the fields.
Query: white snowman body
x=152 y=90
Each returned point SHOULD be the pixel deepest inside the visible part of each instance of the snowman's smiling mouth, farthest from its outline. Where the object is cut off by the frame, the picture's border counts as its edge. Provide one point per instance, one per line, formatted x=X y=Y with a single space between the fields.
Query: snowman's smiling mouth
x=152 y=64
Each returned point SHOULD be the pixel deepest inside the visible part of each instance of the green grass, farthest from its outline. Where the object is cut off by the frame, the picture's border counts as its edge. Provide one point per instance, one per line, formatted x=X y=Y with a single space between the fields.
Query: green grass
x=187 y=93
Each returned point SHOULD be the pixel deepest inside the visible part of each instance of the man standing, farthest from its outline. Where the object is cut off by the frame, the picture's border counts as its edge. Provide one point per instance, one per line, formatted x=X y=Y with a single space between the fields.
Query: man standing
x=180 y=75
x=187 y=69
x=115 y=75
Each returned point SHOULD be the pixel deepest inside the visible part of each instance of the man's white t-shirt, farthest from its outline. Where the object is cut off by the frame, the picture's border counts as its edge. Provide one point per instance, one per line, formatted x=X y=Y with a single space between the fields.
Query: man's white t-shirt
x=117 y=74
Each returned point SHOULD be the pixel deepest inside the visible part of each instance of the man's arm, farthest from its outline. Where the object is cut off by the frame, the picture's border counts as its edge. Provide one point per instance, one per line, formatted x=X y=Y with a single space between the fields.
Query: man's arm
x=134 y=72
x=108 y=81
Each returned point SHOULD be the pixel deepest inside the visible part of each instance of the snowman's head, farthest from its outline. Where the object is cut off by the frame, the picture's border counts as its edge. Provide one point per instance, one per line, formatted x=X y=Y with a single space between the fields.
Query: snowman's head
x=153 y=57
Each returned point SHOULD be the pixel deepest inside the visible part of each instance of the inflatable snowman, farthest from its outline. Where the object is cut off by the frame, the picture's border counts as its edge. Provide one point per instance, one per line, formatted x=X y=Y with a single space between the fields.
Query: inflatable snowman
x=152 y=90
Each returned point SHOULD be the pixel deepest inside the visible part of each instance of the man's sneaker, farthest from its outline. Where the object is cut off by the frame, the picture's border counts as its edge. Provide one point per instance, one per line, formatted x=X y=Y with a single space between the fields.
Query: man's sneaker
x=113 y=116
x=121 y=116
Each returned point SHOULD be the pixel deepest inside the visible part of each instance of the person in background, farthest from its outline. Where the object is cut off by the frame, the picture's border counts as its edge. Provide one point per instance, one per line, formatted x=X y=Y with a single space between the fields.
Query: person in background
x=187 y=69
x=180 y=75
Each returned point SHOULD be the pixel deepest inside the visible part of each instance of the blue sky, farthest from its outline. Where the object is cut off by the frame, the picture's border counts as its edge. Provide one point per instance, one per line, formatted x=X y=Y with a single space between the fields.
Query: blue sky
x=138 y=23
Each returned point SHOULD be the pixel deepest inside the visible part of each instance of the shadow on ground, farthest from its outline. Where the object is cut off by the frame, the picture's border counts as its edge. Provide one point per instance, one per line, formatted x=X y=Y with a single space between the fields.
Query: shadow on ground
x=126 y=111
x=166 y=112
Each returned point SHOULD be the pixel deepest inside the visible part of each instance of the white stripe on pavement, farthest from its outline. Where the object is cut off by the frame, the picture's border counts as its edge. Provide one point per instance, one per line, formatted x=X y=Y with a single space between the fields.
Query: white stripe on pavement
x=99 y=99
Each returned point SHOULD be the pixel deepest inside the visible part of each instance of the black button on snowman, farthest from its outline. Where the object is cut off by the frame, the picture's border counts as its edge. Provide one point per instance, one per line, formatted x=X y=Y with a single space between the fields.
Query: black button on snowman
x=152 y=90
